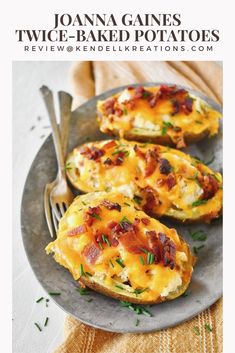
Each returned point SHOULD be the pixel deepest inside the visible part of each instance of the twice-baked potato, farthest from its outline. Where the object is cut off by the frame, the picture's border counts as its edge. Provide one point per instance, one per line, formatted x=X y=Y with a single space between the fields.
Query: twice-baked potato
x=113 y=248
x=161 y=180
x=164 y=114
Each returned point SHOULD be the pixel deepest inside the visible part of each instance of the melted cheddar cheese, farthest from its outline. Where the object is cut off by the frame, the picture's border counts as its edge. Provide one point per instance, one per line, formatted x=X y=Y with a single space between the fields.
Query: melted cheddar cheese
x=138 y=117
x=184 y=199
x=133 y=275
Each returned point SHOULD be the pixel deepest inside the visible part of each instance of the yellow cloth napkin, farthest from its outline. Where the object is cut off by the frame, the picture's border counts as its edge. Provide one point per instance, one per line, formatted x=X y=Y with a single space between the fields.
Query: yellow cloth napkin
x=92 y=78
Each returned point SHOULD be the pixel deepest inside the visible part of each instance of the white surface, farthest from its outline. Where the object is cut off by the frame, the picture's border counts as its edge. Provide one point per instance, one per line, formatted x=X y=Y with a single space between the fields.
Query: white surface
x=28 y=76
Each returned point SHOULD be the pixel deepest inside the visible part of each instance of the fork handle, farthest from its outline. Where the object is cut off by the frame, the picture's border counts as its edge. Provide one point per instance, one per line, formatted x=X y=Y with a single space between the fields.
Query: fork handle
x=49 y=102
x=65 y=103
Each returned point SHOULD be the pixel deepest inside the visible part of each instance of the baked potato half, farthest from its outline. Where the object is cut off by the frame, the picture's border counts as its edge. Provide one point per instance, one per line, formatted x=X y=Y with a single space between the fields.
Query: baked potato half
x=115 y=249
x=162 y=181
x=164 y=114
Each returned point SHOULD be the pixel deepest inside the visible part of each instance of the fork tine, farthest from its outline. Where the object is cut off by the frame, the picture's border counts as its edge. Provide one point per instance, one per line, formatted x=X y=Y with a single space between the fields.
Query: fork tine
x=55 y=221
x=47 y=209
x=55 y=209
x=61 y=208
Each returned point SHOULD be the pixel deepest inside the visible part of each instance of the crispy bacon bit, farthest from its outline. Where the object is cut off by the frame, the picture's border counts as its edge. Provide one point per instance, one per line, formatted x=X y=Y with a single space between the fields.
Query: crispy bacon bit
x=161 y=182
x=153 y=100
x=168 y=251
x=118 y=112
x=165 y=167
x=138 y=152
x=145 y=221
x=162 y=247
x=82 y=285
x=119 y=158
x=210 y=186
x=151 y=200
x=91 y=252
x=91 y=215
x=77 y=231
x=108 y=161
x=92 y=153
x=110 y=144
x=112 y=224
x=139 y=92
x=187 y=105
x=111 y=205
x=151 y=158
x=109 y=106
x=171 y=181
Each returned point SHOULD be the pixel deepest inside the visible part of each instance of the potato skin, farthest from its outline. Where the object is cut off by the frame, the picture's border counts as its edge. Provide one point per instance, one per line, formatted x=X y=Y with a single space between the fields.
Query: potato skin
x=165 y=140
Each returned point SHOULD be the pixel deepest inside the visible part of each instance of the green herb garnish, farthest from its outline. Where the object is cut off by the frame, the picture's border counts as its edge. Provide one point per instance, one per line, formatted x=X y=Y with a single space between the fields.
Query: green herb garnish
x=146 y=94
x=196 y=330
x=83 y=291
x=137 y=199
x=120 y=262
x=125 y=219
x=88 y=274
x=139 y=291
x=150 y=258
x=127 y=204
x=82 y=271
x=137 y=322
x=39 y=300
x=125 y=111
x=110 y=261
x=141 y=259
x=199 y=202
x=68 y=166
x=198 y=235
x=144 y=250
x=208 y=327
x=95 y=215
x=136 y=308
x=100 y=245
x=84 y=203
x=54 y=293
x=164 y=130
x=198 y=122
x=197 y=249
x=119 y=287
x=46 y=321
x=38 y=326
x=167 y=124
x=186 y=294
x=105 y=239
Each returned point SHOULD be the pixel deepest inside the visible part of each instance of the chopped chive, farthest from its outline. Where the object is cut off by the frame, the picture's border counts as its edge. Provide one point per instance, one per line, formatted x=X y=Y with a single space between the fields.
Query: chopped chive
x=39 y=300
x=119 y=287
x=186 y=294
x=164 y=130
x=198 y=235
x=139 y=291
x=208 y=327
x=88 y=274
x=68 y=166
x=210 y=160
x=199 y=202
x=141 y=259
x=198 y=122
x=84 y=203
x=54 y=293
x=46 y=321
x=150 y=258
x=196 y=249
x=127 y=204
x=125 y=219
x=120 y=262
x=95 y=215
x=167 y=124
x=196 y=330
x=137 y=199
x=146 y=312
x=125 y=111
x=137 y=322
x=82 y=271
x=144 y=250
x=38 y=326
x=105 y=239
x=110 y=261
x=195 y=176
x=83 y=291
x=146 y=94
x=100 y=245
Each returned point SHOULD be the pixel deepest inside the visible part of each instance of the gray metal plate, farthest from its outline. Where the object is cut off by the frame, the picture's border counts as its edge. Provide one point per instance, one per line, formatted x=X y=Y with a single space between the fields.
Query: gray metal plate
x=104 y=312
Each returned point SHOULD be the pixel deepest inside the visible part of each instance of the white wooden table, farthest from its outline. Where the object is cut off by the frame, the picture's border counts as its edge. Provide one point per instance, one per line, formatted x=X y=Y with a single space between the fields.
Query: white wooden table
x=30 y=128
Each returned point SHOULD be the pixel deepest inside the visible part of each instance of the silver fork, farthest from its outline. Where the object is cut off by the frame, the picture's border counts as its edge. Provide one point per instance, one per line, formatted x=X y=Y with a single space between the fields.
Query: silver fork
x=57 y=194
